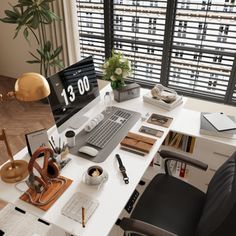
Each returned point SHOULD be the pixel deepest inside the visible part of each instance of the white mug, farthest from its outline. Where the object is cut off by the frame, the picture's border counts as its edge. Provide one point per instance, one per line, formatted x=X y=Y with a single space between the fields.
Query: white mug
x=70 y=136
x=95 y=175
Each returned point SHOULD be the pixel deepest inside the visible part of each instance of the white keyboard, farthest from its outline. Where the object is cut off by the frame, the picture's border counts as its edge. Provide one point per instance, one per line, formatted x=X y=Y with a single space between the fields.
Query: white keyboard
x=73 y=208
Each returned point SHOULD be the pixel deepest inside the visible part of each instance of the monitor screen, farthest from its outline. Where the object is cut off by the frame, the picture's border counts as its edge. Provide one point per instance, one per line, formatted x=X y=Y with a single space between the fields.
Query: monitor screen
x=72 y=89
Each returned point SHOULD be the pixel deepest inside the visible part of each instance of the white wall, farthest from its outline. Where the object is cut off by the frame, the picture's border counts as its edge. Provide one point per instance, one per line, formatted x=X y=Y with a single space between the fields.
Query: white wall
x=13 y=52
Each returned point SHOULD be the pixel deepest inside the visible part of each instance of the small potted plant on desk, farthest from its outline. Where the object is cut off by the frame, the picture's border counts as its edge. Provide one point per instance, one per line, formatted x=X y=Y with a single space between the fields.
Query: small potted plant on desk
x=116 y=69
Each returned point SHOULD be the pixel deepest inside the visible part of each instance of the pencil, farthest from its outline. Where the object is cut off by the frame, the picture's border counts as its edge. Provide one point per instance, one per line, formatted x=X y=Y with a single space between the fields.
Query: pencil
x=83 y=217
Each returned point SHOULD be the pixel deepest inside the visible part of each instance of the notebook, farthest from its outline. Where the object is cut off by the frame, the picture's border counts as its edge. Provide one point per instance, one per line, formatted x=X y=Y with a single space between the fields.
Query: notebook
x=220 y=121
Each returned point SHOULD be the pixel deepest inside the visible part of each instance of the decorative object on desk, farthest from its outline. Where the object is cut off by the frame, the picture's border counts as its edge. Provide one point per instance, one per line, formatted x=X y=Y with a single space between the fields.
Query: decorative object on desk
x=116 y=69
x=31 y=17
x=36 y=139
x=25 y=90
x=208 y=129
x=47 y=186
x=163 y=97
x=163 y=93
x=137 y=143
x=160 y=120
x=14 y=170
x=129 y=91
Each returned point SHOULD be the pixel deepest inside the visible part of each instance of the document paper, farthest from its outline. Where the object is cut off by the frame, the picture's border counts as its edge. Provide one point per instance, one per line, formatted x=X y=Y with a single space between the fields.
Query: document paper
x=15 y=223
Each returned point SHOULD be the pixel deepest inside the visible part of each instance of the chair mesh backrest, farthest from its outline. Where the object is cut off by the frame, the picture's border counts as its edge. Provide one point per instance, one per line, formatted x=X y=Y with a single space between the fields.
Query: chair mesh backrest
x=219 y=212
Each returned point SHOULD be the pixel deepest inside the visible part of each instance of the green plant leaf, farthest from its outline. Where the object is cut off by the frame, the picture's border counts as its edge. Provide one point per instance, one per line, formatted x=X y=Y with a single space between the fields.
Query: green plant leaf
x=33 y=62
x=48 y=1
x=16 y=10
x=26 y=2
x=46 y=17
x=17 y=31
x=47 y=56
x=44 y=5
x=26 y=34
x=27 y=17
x=34 y=22
x=41 y=53
x=11 y=14
x=34 y=56
x=47 y=46
x=8 y=20
x=54 y=16
x=57 y=52
x=58 y=63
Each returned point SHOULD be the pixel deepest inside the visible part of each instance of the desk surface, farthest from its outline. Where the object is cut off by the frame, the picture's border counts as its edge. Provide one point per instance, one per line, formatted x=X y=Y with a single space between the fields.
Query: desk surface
x=114 y=194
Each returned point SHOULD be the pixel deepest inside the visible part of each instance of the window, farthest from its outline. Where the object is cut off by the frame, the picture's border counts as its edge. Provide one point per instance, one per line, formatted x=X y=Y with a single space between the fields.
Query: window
x=90 y=17
x=188 y=45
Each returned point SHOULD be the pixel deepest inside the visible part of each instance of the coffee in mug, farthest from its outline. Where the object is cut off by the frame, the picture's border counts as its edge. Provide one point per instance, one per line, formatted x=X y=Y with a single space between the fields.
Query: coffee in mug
x=94 y=175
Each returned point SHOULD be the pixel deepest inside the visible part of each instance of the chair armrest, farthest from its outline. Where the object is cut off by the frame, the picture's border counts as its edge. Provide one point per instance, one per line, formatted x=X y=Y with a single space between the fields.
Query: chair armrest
x=130 y=225
x=168 y=156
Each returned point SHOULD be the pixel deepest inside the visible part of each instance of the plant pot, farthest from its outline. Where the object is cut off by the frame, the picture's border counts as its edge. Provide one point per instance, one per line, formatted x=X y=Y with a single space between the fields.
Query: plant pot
x=128 y=92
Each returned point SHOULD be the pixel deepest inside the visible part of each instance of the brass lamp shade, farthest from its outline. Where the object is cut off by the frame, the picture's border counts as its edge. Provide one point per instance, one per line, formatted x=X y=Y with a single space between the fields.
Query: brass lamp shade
x=31 y=87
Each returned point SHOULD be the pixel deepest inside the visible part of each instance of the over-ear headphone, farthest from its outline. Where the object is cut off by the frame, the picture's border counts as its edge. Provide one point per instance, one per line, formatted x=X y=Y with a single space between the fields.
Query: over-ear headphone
x=49 y=170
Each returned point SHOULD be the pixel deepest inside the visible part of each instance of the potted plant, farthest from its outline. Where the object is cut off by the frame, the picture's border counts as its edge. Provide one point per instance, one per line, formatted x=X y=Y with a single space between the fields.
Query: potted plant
x=32 y=17
x=116 y=69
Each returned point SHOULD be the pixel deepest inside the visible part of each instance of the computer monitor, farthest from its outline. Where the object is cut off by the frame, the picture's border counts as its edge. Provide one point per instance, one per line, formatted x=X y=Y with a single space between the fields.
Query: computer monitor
x=74 y=90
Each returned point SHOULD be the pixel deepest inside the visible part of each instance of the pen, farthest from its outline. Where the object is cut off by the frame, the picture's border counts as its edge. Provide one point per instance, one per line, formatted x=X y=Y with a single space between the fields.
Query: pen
x=59 y=146
x=52 y=146
x=56 y=148
x=83 y=217
x=53 y=141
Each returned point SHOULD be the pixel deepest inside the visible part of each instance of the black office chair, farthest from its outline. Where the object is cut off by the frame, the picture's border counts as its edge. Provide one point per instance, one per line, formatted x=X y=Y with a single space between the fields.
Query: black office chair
x=170 y=206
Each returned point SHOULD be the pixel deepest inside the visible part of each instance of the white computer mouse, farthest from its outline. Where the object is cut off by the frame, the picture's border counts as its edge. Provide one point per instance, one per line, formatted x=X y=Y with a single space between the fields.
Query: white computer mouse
x=89 y=151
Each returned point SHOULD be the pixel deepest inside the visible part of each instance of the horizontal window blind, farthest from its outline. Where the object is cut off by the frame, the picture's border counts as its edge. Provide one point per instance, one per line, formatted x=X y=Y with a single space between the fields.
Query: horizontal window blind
x=203 y=48
x=139 y=34
x=90 y=16
x=191 y=50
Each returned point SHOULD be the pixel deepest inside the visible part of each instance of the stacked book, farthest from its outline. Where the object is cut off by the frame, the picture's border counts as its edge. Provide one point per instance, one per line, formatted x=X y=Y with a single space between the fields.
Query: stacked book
x=207 y=128
x=160 y=103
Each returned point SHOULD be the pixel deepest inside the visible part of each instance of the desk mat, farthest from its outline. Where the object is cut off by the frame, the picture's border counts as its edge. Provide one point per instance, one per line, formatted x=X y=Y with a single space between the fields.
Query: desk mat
x=54 y=190
x=80 y=139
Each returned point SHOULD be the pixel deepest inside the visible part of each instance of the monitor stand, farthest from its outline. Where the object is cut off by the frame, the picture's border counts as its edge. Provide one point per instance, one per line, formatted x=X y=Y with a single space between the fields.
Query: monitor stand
x=77 y=121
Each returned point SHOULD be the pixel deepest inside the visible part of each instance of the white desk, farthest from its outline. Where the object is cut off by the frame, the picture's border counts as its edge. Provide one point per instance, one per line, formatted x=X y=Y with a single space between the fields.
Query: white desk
x=114 y=194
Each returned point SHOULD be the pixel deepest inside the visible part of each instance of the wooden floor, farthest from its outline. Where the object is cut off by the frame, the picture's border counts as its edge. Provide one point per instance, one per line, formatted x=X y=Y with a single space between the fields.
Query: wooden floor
x=19 y=118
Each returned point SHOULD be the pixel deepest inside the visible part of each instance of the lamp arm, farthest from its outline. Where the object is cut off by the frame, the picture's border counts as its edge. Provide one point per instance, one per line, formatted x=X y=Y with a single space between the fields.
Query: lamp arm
x=4 y=138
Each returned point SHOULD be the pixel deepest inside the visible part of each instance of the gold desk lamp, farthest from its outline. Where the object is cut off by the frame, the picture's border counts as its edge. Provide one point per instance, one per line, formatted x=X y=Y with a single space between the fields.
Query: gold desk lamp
x=29 y=87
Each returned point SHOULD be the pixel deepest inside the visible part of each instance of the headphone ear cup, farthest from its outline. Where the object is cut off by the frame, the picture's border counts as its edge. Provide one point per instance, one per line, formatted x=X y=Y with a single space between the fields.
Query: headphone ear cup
x=53 y=169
